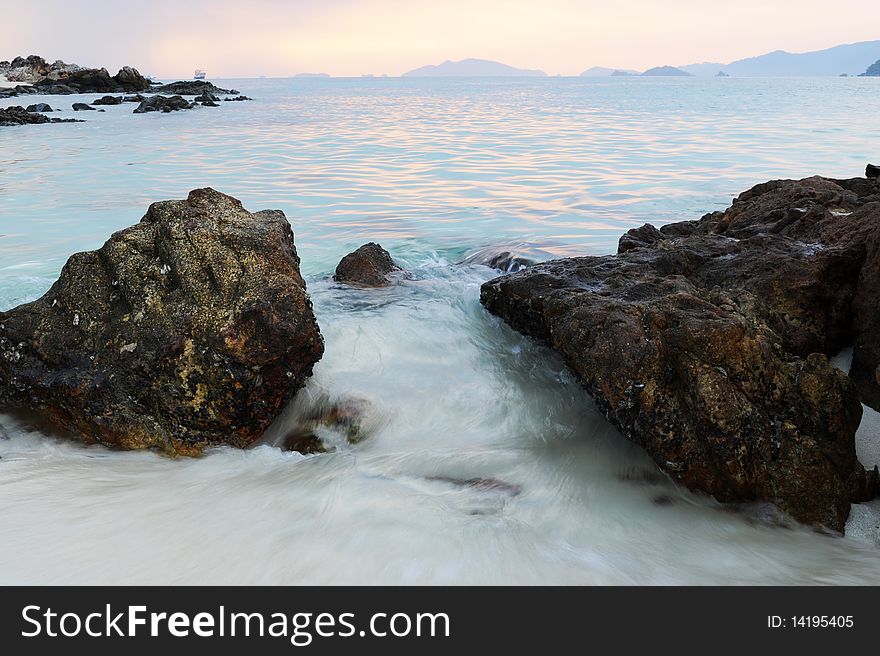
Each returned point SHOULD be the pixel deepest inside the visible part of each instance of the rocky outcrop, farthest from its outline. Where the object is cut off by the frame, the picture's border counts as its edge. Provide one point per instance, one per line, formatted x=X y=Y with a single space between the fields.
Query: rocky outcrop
x=163 y=104
x=193 y=88
x=17 y=115
x=239 y=98
x=190 y=329
x=62 y=78
x=706 y=341
x=872 y=171
x=368 y=266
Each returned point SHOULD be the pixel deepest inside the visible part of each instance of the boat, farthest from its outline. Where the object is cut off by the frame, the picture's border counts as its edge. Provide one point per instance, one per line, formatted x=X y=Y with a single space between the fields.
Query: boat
x=199 y=74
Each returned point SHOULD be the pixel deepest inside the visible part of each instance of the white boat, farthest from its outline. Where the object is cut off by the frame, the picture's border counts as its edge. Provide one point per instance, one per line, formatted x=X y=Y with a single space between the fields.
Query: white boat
x=199 y=74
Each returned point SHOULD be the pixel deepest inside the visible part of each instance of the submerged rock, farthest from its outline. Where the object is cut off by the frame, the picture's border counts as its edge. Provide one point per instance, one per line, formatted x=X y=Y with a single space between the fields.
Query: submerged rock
x=190 y=329
x=505 y=259
x=368 y=266
x=82 y=107
x=704 y=341
x=163 y=104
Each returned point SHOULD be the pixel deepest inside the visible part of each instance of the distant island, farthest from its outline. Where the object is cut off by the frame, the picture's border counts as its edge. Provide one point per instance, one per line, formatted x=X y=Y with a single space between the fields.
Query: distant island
x=601 y=71
x=844 y=60
x=473 y=68
x=849 y=58
x=873 y=70
x=312 y=75
x=666 y=71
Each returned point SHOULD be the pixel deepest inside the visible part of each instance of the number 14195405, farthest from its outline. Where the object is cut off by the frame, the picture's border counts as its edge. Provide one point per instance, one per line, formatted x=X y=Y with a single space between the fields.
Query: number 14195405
x=810 y=622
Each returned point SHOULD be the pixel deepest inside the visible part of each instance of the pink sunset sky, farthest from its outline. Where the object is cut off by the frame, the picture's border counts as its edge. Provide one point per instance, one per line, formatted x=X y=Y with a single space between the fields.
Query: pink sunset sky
x=354 y=37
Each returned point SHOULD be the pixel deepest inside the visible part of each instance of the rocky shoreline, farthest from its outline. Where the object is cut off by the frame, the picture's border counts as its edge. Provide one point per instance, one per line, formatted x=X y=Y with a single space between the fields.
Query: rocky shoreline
x=38 y=77
x=707 y=342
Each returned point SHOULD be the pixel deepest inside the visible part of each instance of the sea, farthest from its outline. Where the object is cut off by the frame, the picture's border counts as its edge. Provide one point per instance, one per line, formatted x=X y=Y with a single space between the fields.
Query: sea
x=483 y=461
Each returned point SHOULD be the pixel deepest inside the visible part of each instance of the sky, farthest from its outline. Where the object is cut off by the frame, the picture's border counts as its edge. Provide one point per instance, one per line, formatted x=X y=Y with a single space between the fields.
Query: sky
x=170 y=38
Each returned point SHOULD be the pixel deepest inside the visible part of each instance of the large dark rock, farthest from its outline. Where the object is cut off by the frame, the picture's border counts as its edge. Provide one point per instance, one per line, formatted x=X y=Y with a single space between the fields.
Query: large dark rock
x=872 y=171
x=704 y=341
x=163 y=104
x=193 y=88
x=94 y=80
x=17 y=115
x=82 y=107
x=368 y=266
x=190 y=329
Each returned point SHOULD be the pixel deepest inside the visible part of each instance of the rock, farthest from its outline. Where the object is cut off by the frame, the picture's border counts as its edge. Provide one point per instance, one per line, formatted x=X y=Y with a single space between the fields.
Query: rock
x=206 y=97
x=872 y=171
x=190 y=329
x=209 y=103
x=501 y=258
x=129 y=79
x=62 y=78
x=193 y=88
x=93 y=80
x=82 y=107
x=163 y=104
x=137 y=98
x=703 y=341
x=368 y=266
x=39 y=107
x=17 y=115
x=236 y=98
x=11 y=92
x=108 y=100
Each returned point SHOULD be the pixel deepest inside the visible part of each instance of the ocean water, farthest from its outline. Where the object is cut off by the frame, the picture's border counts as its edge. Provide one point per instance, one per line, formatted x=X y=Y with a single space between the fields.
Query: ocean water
x=484 y=462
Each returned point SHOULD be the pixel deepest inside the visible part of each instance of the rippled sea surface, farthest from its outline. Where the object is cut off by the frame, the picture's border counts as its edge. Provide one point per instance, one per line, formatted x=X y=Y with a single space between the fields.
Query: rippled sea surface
x=485 y=462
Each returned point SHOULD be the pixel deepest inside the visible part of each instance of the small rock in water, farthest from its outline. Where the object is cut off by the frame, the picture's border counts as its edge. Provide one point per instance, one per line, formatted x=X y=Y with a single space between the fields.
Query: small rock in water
x=316 y=422
x=872 y=171
x=501 y=259
x=108 y=100
x=82 y=107
x=40 y=107
x=303 y=441
x=368 y=266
